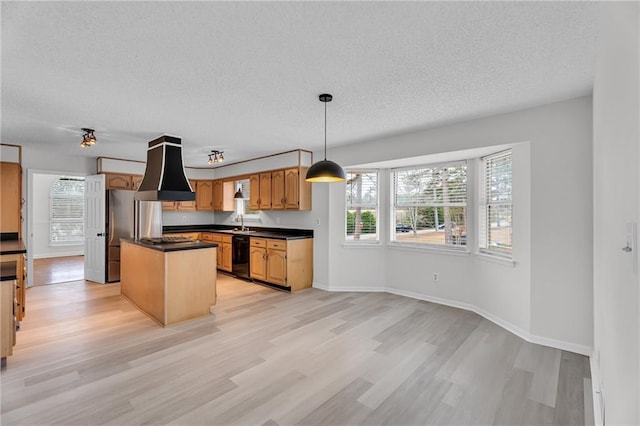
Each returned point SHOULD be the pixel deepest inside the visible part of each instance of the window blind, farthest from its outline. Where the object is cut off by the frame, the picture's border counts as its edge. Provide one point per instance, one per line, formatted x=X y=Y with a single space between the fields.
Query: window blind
x=431 y=186
x=66 y=211
x=496 y=205
x=362 y=190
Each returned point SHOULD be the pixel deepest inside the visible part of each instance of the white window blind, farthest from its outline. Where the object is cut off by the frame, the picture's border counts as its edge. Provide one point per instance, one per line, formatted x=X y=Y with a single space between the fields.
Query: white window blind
x=496 y=206
x=66 y=211
x=430 y=204
x=243 y=206
x=362 y=205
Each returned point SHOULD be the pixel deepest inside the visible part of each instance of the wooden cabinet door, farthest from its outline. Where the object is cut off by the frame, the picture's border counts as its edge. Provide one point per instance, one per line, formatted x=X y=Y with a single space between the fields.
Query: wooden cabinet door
x=254 y=192
x=226 y=257
x=10 y=197
x=265 y=191
x=204 y=195
x=188 y=205
x=118 y=181
x=169 y=205
x=136 y=180
x=277 y=266
x=277 y=190
x=218 y=194
x=291 y=189
x=258 y=263
x=219 y=256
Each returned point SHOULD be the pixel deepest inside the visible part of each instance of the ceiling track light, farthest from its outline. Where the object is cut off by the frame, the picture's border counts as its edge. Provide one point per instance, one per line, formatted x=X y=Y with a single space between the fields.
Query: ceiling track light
x=325 y=170
x=88 y=138
x=215 y=157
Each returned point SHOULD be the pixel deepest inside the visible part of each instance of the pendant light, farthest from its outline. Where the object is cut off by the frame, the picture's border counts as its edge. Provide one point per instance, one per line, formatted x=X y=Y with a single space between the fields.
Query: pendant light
x=239 y=195
x=325 y=170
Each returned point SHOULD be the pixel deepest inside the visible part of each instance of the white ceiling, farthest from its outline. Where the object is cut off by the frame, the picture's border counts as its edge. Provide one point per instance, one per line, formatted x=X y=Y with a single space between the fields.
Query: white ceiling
x=244 y=77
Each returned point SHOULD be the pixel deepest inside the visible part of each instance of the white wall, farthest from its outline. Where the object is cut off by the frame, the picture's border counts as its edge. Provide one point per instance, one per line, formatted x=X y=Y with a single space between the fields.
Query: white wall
x=40 y=247
x=547 y=296
x=616 y=202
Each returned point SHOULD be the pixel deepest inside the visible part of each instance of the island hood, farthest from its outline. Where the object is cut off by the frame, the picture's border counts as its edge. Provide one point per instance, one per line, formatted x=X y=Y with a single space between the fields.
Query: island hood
x=164 y=178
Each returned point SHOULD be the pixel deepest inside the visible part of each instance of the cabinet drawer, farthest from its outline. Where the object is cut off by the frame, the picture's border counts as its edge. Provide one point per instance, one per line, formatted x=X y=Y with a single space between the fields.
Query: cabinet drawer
x=258 y=242
x=224 y=238
x=216 y=238
x=277 y=244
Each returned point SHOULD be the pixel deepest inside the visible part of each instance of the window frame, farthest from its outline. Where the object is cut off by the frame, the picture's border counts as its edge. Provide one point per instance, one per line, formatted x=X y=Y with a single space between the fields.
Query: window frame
x=428 y=246
x=484 y=204
x=66 y=220
x=367 y=241
x=242 y=205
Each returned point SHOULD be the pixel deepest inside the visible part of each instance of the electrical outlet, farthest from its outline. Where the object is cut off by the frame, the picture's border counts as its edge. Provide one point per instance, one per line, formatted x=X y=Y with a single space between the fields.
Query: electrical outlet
x=278 y=219
x=317 y=221
x=184 y=218
x=435 y=276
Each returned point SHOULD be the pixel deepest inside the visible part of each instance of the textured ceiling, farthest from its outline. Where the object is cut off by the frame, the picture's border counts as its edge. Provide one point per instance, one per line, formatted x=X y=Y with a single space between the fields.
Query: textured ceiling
x=244 y=77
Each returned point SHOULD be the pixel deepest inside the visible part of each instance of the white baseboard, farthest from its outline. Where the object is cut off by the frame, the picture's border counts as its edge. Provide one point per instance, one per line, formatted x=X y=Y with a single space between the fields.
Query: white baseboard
x=320 y=286
x=60 y=254
x=598 y=400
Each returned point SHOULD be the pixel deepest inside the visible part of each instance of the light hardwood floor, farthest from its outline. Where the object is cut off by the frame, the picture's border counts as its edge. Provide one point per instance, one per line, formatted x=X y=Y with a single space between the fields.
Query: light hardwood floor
x=85 y=356
x=54 y=270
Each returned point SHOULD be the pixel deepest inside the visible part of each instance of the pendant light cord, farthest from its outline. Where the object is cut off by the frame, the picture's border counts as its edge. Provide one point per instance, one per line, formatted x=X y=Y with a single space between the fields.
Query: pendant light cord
x=325 y=131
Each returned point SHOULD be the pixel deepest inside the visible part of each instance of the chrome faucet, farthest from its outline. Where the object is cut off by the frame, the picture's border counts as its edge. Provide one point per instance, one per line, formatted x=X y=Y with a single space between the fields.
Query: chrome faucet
x=241 y=216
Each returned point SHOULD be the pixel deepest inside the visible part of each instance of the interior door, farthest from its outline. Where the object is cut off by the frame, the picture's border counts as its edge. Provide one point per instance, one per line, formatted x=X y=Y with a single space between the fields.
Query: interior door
x=95 y=229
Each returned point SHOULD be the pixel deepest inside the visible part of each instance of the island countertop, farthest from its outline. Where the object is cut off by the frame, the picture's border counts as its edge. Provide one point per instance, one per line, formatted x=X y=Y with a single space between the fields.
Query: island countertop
x=167 y=247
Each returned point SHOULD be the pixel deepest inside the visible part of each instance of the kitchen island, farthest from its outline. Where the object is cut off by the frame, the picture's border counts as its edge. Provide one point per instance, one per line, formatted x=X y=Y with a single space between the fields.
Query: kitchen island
x=170 y=282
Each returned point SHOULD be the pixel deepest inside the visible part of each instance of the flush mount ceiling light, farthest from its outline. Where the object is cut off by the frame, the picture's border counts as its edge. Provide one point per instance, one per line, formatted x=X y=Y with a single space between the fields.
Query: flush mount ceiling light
x=88 y=139
x=325 y=170
x=216 y=157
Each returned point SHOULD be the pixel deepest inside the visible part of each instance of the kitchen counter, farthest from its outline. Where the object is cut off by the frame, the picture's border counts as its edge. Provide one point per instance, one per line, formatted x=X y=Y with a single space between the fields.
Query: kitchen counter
x=171 y=283
x=12 y=247
x=168 y=247
x=274 y=233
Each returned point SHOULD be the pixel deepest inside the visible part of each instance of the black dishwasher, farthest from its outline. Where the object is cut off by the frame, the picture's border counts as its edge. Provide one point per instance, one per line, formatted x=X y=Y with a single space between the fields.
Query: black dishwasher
x=240 y=257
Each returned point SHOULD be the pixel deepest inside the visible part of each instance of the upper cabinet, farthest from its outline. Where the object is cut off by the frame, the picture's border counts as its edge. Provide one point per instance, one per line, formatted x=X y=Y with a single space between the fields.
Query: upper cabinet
x=10 y=197
x=181 y=205
x=223 y=195
x=215 y=195
x=122 y=181
x=204 y=195
x=280 y=190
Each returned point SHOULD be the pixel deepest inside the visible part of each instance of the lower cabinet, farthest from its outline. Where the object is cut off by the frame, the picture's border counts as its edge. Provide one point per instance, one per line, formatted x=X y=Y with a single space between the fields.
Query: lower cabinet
x=223 y=252
x=288 y=263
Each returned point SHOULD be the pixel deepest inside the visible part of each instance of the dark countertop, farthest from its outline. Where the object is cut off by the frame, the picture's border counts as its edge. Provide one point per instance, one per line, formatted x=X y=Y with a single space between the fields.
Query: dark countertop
x=12 y=247
x=166 y=247
x=274 y=233
x=8 y=271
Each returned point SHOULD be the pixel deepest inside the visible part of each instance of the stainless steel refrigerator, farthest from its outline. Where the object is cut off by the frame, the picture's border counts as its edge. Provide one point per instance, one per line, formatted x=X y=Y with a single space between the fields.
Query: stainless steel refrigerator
x=120 y=224
x=124 y=215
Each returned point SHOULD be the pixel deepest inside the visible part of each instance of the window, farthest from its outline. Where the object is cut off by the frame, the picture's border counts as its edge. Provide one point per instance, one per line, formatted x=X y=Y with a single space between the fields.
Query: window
x=430 y=205
x=496 y=204
x=362 y=205
x=243 y=206
x=66 y=211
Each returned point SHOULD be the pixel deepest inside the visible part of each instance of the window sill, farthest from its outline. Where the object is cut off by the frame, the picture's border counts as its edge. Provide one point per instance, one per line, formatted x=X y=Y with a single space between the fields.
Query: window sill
x=429 y=249
x=486 y=257
x=362 y=244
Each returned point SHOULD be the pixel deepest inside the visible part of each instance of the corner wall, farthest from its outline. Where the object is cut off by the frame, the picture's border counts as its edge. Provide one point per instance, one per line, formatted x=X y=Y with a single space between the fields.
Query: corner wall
x=547 y=296
x=616 y=361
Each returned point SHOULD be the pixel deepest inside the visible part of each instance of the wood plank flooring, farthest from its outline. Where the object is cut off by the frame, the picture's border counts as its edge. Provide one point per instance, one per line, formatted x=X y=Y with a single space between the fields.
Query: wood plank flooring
x=85 y=356
x=54 y=270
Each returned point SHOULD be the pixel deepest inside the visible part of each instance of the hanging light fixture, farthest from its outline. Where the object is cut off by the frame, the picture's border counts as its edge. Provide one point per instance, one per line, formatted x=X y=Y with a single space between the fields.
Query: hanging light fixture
x=325 y=170
x=215 y=157
x=88 y=138
x=239 y=195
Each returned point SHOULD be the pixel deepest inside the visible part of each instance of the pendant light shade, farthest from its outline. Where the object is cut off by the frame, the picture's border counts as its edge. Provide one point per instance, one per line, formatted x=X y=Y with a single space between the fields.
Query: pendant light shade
x=239 y=195
x=325 y=170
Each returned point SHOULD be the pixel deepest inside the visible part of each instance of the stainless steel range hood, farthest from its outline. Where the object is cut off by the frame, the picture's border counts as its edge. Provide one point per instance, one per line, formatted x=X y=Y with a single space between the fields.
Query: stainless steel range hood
x=164 y=178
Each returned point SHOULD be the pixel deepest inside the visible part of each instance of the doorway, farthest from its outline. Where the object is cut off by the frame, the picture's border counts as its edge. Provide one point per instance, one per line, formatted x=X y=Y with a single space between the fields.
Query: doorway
x=55 y=222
